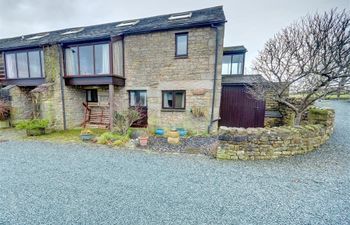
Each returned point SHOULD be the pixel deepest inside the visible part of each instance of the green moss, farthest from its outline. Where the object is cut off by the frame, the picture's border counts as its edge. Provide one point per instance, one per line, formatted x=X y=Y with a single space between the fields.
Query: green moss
x=317 y=111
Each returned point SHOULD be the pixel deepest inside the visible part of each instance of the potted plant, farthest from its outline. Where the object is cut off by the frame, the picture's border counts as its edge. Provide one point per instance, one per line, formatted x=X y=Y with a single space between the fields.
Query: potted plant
x=143 y=139
x=33 y=127
x=86 y=135
x=4 y=114
x=159 y=131
x=173 y=136
x=182 y=132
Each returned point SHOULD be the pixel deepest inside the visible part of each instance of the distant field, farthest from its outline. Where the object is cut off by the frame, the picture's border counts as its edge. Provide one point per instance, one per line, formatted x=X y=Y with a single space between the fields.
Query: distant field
x=328 y=97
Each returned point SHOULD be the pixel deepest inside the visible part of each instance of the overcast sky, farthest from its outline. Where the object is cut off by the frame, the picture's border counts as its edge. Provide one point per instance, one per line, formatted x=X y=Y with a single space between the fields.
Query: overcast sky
x=250 y=23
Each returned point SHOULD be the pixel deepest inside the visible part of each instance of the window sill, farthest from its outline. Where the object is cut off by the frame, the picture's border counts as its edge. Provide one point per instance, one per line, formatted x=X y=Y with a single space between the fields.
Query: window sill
x=181 y=57
x=173 y=110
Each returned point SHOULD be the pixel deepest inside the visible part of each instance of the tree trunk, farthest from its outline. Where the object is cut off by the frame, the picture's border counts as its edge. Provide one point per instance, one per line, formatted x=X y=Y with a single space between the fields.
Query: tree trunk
x=297 y=118
x=338 y=93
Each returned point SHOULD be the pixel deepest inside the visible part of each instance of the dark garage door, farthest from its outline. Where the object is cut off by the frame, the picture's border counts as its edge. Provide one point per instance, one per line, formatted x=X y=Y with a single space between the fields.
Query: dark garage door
x=239 y=109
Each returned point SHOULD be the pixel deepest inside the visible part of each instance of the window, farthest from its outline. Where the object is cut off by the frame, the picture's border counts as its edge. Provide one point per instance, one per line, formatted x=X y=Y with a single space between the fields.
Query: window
x=138 y=98
x=91 y=95
x=128 y=23
x=174 y=99
x=181 y=44
x=87 y=60
x=118 y=66
x=233 y=64
x=24 y=64
x=180 y=16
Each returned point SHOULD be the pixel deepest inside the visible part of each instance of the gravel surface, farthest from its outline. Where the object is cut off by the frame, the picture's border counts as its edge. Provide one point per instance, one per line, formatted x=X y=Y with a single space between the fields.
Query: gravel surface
x=43 y=183
x=195 y=145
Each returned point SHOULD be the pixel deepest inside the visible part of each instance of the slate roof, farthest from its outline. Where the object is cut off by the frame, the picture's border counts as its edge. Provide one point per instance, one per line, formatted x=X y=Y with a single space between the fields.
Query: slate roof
x=202 y=17
x=243 y=79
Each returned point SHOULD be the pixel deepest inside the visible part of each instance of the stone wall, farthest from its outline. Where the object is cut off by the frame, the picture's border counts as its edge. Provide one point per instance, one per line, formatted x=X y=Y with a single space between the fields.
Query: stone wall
x=272 y=143
x=150 y=65
x=21 y=103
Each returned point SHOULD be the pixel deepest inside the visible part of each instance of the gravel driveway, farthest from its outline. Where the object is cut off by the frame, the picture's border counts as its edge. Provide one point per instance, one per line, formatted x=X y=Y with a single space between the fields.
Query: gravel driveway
x=43 y=183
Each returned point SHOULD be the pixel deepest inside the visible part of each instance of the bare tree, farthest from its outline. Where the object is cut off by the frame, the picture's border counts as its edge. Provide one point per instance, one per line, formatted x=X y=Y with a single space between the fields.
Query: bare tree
x=306 y=58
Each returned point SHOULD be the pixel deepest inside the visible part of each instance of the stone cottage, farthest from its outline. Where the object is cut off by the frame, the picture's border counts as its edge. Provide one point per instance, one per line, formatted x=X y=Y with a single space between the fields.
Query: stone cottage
x=173 y=68
x=169 y=65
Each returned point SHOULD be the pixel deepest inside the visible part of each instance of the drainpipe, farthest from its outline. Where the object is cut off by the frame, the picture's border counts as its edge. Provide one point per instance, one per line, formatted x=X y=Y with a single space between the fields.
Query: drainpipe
x=215 y=77
x=60 y=55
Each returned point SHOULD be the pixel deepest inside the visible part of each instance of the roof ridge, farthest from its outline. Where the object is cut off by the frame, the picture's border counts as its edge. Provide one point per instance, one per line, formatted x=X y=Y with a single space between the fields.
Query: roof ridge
x=110 y=23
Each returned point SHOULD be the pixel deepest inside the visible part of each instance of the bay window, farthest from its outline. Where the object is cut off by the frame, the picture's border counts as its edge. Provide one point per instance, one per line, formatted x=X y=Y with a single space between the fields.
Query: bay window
x=94 y=59
x=24 y=64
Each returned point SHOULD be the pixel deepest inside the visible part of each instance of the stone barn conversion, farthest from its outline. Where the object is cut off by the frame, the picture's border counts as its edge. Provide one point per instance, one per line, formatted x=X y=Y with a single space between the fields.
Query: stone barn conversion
x=173 y=66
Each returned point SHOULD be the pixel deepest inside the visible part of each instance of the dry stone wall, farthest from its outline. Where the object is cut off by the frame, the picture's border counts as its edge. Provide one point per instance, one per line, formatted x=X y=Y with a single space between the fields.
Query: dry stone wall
x=272 y=143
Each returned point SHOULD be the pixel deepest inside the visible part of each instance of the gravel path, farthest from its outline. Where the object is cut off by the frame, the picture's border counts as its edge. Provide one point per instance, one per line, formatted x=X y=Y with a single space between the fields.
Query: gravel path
x=43 y=183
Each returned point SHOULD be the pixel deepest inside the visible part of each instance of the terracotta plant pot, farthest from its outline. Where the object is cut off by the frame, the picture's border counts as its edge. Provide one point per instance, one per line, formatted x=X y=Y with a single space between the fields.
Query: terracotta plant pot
x=143 y=141
x=35 y=132
x=4 y=124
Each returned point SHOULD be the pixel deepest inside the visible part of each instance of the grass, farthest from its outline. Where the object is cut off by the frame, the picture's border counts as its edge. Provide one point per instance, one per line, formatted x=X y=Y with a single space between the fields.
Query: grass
x=72 y=135
x=341 y=97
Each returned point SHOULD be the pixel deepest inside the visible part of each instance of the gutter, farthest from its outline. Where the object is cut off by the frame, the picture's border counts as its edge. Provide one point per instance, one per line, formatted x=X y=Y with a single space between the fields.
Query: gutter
x=60 y=56
x=215 y=78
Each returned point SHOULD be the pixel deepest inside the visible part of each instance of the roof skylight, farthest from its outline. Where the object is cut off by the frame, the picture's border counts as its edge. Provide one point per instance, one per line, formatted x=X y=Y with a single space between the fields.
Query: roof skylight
x=128 y=23
x=38 y=36
x=180 y=16
x=73 y=31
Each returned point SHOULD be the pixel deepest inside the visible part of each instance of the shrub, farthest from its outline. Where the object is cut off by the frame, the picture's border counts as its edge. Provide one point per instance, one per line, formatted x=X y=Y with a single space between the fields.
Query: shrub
x=109 y=138
x=86 y=131
x=198 y=112
x=32 y=124
x=4 y=110
x=123 y=121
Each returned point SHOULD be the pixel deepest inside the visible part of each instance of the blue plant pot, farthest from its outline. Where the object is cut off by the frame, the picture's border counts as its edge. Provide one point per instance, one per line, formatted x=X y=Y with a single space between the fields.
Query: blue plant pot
x=182 y=132
x=86 y=137
x=159 y=132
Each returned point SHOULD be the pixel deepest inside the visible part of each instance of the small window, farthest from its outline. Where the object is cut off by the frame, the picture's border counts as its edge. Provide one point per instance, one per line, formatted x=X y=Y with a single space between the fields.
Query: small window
x=174 y=99
x=181 y=44
x=138 y=98
x=128 y=23
x=91 y=96
x=180 y=16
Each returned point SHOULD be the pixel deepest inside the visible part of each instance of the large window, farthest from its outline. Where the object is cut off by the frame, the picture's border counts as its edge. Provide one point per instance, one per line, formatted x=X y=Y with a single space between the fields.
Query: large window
x=24 y=64
x=181 y=44
x=233 y=64
x=137 y=98
x=91 y=59
x=173 y=99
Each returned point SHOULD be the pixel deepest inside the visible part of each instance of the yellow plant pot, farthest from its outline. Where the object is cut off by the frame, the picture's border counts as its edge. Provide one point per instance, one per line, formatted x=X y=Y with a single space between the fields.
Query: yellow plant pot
x=173 y=140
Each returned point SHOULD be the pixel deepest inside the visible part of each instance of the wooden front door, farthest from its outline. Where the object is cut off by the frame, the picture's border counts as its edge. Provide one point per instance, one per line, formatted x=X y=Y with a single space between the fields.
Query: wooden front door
x=239 y=109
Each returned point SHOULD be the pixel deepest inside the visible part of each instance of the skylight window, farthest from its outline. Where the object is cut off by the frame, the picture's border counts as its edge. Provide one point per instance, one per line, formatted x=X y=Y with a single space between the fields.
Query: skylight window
x=180 y=16
x=128 y=23
x=73 y=31
x=38 y=36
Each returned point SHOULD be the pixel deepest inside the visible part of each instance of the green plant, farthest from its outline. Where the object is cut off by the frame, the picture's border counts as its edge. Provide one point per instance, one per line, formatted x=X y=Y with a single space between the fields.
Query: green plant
x=110 y=138
x=123 y=121
x=32 y=124
x=86 y=131
x=4 y=110
x=198 y=111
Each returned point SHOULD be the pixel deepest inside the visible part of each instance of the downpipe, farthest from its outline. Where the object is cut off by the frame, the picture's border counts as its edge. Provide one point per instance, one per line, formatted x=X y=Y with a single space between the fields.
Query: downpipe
x=215 y=78
x=60 y=56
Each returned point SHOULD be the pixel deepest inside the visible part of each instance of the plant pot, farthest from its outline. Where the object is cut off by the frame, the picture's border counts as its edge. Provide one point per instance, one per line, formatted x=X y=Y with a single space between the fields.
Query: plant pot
x=182 y=132
x=86 y=137
x=4 y=124
x=35 y=132
x=159 y=132
x=173 y=134
x=143 y=141
x=173 y=140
